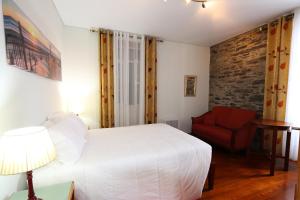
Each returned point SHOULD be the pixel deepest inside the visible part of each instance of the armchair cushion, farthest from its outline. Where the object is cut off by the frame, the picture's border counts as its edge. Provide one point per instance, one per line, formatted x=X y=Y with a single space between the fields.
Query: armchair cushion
x=222 y=114
x=239 y=118
x=209 y=119
x=233 y=118
x=213 y=133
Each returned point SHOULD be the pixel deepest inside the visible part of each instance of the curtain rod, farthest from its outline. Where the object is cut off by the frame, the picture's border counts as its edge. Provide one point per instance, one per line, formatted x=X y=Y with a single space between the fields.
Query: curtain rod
x=96 y=30
x=287 y=17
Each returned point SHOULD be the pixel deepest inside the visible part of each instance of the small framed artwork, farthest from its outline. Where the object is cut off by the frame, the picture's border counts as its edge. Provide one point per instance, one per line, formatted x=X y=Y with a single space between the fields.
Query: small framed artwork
x=190 y=84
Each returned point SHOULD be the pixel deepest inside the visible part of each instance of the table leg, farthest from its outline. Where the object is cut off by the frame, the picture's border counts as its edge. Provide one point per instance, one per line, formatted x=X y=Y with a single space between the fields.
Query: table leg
x=273 y=155
x=262 y=139
x=287 y=150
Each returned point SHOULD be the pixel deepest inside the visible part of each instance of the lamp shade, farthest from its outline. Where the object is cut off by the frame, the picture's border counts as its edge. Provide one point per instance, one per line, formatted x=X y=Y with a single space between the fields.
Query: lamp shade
x=25 y=149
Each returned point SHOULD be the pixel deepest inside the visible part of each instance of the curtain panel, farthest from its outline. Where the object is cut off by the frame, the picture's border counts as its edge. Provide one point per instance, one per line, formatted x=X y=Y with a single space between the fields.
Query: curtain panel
x=106 y=79
x=150 y=80
x=277 y=72
x=129 y=74
x=293 y=96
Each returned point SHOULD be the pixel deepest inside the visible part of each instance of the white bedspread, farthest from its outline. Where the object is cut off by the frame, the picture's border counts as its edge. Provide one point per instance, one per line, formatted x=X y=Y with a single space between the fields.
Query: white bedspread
x=147 y=162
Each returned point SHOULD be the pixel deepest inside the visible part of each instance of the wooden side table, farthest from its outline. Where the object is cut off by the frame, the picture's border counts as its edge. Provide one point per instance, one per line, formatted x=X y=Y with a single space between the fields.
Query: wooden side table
x=63 y=191
x=276 y=126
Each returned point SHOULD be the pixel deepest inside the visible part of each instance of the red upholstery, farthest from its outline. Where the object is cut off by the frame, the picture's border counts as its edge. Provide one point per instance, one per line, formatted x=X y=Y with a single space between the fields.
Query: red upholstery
x=209 y=119
x=228 y=127
x=221 y=115
x=217 y=134
x=232 y=118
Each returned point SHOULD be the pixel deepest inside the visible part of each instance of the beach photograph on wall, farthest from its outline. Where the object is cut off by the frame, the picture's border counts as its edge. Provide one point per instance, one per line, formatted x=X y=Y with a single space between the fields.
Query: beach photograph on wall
x=26 y=46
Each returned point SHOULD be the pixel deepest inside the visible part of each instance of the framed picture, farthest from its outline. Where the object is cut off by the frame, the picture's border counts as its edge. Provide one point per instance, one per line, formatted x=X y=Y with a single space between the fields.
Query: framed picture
x=26 y=46
x=190 y=84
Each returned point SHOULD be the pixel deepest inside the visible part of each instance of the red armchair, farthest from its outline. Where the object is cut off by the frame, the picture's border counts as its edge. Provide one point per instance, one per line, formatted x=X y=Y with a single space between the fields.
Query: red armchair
x=227 y=127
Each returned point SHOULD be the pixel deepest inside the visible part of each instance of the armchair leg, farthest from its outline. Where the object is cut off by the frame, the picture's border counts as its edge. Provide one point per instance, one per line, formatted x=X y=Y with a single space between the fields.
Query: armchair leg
x=248 y=152
x=232 y=151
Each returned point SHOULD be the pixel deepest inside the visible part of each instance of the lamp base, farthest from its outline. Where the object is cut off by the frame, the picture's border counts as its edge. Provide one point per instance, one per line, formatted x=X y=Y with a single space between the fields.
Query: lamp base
x=31 y=195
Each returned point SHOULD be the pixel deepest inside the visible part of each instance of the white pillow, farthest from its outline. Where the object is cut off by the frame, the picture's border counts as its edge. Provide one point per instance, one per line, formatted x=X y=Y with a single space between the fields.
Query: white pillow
x=58 y=116
x=68 y=135
x=79 y=126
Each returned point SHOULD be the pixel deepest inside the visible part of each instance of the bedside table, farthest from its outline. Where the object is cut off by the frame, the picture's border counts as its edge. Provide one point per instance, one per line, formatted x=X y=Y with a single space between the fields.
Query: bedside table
x=63 y=191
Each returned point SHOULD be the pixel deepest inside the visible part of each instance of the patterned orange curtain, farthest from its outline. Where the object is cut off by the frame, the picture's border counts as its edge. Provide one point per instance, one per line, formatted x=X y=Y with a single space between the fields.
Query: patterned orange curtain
x=106 y=79
x=277 y=69
x=150 y=81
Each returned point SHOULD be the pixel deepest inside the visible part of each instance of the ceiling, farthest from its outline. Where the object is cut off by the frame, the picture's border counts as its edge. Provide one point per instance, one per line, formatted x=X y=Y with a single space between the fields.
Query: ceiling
x=174 y=20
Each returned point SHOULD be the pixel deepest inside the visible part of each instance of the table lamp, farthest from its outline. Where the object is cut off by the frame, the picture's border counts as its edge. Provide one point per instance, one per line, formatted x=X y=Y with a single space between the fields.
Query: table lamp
x=23 y=150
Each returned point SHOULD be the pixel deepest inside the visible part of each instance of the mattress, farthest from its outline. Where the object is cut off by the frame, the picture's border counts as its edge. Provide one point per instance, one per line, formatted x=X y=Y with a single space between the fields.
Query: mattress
x=146 y=162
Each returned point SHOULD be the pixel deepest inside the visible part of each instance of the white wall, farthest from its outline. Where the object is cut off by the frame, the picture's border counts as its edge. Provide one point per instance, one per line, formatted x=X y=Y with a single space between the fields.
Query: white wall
x=174 y=61
x=26 y=99
x=81 y=74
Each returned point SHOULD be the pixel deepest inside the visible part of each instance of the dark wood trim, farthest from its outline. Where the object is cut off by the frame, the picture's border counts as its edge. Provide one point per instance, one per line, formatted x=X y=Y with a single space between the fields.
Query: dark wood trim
x=31 y=194
x=273 y=156
x=211 y=176
x=296 y=197
x=287 y=150
x=261 y=133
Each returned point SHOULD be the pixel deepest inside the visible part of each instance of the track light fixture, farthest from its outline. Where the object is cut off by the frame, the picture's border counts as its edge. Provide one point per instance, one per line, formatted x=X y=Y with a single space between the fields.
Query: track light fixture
x=197 y=1
x=201 y=1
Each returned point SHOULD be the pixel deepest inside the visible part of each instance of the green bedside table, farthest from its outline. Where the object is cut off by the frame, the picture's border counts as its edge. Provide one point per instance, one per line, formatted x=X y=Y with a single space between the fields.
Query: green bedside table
x=63 y=191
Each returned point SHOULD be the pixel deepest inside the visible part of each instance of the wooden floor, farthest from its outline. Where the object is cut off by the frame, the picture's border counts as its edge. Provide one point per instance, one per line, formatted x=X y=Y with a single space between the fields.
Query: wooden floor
x=237 y=178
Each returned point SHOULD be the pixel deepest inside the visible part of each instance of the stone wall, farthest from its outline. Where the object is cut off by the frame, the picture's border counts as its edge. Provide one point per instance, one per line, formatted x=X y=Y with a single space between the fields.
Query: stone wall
x=237 y=71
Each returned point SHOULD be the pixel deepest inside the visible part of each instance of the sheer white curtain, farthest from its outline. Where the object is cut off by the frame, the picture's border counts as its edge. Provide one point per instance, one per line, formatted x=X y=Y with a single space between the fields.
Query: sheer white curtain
x=129 y=79
x=293 y=95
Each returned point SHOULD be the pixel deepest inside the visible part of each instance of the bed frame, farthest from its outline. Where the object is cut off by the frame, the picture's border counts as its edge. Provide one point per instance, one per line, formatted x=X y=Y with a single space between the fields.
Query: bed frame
x=211 y=176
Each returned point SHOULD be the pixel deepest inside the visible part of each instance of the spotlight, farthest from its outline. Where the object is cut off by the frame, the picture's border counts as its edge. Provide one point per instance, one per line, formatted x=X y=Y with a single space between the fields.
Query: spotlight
x=200 y=1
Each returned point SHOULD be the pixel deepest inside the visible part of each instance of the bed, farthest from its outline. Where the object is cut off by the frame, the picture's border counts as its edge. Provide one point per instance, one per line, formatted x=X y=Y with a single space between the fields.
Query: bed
x=145 y=162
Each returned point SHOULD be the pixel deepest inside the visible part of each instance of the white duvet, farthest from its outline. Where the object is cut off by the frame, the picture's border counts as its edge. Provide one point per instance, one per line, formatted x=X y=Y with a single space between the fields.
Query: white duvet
x=147 y=162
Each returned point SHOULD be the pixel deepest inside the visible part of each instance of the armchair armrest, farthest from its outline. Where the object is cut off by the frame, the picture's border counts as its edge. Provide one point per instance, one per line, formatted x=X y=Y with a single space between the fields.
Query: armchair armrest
x=249 y=125
x=245 y=133
x=197 y=120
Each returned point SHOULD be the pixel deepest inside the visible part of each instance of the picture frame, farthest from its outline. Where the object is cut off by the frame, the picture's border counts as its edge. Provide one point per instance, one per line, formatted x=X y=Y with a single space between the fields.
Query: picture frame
x=190 y=85
x=27 y=48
